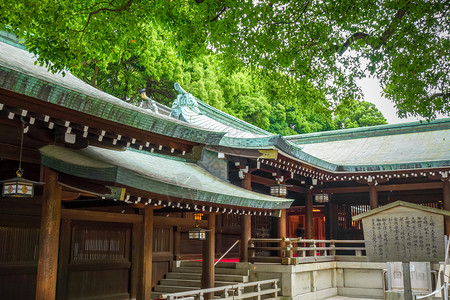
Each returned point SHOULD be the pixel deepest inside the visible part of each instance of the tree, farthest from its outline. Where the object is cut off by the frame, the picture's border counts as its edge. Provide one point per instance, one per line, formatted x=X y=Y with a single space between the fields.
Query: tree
x=403 y=42
x=358 y=114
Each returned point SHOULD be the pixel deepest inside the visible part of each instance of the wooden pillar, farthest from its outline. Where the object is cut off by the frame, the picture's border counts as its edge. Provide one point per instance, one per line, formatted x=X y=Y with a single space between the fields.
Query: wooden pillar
x=219 y=235
x=136 y=259
x=177 y=243
x=49 y=237
x=147 y=254
x=246 y=223
x=246 y=234
x=208 y=254
x=282 y=221
x=446 y=196
x=333 y=226
x=373 y=196
x=309 y=226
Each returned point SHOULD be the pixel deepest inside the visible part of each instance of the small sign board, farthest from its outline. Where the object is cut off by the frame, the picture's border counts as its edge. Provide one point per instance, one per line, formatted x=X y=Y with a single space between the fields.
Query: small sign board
x=405 y=232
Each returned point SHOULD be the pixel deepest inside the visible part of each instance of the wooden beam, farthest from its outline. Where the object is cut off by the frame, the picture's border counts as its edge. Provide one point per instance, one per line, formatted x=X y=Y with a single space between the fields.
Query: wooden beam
x=269 y=182
x=49 y=238
x=45 y=108
x=383 y=188
x=171 y=221
x=8 y=151
x=87 y=215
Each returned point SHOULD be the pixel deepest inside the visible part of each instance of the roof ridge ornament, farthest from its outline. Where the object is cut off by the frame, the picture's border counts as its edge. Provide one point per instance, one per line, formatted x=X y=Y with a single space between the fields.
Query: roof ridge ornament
x=148 y=103
x=184 y=105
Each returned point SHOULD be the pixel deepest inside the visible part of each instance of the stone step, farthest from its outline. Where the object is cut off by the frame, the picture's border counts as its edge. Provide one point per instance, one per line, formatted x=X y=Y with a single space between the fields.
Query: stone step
x=198 y=270
x=218 y=277
x=198 y=264
x=173 y=289
x=190 y=282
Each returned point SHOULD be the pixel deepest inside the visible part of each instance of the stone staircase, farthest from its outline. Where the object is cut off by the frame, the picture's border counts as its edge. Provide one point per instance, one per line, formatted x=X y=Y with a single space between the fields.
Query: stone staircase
x=187 y=277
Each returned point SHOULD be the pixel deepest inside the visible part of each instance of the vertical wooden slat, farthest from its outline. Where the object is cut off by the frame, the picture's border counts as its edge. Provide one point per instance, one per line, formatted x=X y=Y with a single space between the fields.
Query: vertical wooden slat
x=136 y=256
x=147 y=254
x=49 y=237
x=64 y=259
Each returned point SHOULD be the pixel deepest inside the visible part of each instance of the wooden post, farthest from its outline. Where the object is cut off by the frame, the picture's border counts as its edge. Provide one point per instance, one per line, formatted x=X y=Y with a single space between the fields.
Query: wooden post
x=282 y=229
x=407 y=281
x=49 y=237
x=246 y=223
x=309 y=226
x=282 y=221
x=373 y=196
x=219 y=235
x=246 y=233
x=208 y=255
x=147 y=254
x=177 y=243
x=446 y=196
x=65 y=239
x=136 y=259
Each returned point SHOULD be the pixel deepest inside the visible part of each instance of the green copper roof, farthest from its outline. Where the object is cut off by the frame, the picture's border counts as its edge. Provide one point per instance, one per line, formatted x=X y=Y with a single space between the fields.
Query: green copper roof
x=166 y=176
x=19 y=74
x=389 y=147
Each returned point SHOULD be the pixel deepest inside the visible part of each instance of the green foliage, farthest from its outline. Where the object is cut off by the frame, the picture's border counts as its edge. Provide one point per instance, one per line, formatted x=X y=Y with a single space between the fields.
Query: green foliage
x=354 y=113
x=278 y=67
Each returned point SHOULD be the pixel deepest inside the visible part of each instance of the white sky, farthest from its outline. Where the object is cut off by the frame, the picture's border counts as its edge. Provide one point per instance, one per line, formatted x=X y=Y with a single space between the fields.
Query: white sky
x=372 y=93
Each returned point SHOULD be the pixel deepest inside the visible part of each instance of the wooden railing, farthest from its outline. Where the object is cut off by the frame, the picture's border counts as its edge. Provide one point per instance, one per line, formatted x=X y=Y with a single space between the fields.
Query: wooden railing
x=296 y=250
x=254 y=290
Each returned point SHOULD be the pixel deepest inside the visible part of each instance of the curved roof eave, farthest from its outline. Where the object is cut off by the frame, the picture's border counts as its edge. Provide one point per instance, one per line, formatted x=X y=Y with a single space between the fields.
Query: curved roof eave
x=295 y=152
x=142 y=171
x=19 y=74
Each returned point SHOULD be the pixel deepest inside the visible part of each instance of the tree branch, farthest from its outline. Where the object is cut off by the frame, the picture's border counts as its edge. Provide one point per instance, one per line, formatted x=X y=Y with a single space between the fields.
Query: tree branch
x=397 y=18
x=298 y=18
x=354 y=37
x=443 y=95
x=125 y=6
x=384 y=36
x=218 y=15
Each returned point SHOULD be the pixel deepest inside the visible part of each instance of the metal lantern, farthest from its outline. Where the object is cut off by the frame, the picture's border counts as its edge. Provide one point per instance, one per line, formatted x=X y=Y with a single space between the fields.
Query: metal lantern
x=278 y=190
x=18 y=186
x=321 y=198
x=197 y=233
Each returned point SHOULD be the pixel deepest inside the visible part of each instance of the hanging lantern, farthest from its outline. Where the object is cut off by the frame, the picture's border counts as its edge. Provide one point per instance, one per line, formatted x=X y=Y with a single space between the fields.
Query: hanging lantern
x=197 y=233
x=278 y=190
x=19 y=187
x=321 y=198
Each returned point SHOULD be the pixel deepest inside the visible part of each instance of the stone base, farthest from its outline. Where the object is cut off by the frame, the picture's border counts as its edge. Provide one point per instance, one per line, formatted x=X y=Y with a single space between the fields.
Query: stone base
x=398 y=295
